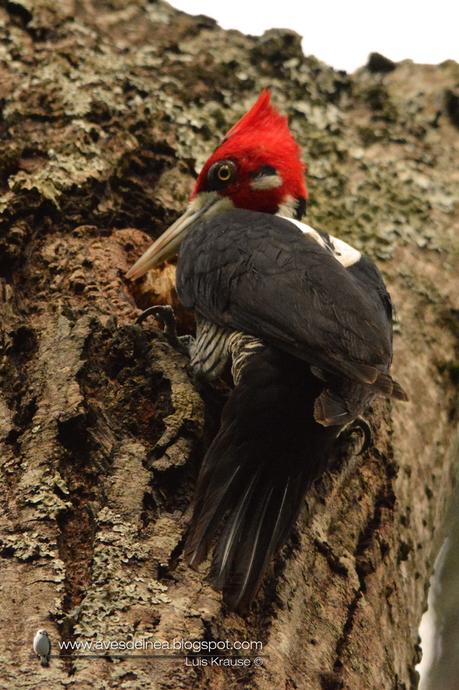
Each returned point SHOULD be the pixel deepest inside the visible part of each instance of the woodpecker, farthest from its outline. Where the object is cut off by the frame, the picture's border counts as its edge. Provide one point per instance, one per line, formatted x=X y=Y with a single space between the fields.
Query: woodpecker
x=304 y=320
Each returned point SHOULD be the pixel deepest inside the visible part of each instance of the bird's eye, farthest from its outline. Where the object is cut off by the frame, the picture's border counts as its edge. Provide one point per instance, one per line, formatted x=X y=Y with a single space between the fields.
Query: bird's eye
x=220 y=174
x=224 y=173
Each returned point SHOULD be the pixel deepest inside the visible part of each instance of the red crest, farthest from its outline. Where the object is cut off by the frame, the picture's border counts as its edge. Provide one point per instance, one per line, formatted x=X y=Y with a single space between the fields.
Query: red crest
x=260 y=138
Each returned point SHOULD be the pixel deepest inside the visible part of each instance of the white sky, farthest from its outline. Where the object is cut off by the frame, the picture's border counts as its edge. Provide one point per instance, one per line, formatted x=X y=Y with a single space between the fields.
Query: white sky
x=343 y=32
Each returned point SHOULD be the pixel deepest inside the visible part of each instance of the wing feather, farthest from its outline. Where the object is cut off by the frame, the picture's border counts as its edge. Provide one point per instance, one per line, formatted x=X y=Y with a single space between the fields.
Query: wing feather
x=260 y=274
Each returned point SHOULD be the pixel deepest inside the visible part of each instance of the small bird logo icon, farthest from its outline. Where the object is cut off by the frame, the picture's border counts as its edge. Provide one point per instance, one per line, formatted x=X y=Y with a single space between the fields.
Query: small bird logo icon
x=42 y=646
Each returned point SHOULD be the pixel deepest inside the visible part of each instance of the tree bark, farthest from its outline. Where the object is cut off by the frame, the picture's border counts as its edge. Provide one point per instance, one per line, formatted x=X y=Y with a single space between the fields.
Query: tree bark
x=107 y=110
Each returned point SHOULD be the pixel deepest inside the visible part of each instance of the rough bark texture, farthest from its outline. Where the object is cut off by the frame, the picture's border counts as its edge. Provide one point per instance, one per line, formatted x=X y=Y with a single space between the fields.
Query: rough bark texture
x=107 y=110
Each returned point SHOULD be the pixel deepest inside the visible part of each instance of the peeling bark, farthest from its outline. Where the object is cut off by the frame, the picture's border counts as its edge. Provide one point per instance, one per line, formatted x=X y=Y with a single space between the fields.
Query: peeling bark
x=107 y=110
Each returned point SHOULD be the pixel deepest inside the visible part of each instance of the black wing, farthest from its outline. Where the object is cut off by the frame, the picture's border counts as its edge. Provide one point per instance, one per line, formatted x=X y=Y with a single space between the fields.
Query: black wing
x=369 y=277
x=260 y=274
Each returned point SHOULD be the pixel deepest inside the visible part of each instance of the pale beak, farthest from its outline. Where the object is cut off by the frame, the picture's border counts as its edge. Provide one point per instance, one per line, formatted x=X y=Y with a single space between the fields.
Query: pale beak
x=167 y=245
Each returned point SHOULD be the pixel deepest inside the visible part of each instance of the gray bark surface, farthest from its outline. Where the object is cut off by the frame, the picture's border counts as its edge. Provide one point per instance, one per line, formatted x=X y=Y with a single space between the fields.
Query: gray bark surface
x=106 y=112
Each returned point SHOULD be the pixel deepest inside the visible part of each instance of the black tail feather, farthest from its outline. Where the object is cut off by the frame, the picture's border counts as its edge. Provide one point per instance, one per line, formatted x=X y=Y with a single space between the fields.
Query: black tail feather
x=242 y=561
x=254 y=476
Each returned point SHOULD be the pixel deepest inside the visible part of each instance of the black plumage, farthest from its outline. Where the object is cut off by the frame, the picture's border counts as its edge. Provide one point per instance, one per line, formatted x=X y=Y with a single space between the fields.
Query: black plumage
x=328 y=336
x=259 y=274
x=254 y=476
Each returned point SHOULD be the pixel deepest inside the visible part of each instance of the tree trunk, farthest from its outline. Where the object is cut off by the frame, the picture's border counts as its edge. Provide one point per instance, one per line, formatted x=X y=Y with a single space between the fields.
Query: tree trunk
x=106 y=112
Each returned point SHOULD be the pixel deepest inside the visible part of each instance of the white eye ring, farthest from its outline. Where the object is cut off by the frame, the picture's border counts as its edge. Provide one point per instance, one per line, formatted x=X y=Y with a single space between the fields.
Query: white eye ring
x=221 y=173
x=224 y=173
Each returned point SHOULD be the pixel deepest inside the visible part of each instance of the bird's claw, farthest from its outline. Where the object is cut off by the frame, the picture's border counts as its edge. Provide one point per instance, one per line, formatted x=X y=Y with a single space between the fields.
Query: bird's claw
x=361 y=425
x=164 y=314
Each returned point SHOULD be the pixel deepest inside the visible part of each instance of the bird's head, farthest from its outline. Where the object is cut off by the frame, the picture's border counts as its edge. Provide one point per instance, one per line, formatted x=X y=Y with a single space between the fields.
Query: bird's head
x=256 y=167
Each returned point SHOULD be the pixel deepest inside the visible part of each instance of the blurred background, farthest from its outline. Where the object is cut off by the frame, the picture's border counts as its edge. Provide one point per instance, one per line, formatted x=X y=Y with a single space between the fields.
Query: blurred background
x=343 y=34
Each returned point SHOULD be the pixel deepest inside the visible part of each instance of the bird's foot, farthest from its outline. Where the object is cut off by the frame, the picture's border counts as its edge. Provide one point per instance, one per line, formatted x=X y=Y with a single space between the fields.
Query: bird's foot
x=361 y=426
x=165 y=316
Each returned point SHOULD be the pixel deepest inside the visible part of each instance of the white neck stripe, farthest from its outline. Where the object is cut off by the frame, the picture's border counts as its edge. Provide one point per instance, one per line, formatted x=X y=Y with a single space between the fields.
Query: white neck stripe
x=343 y=252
